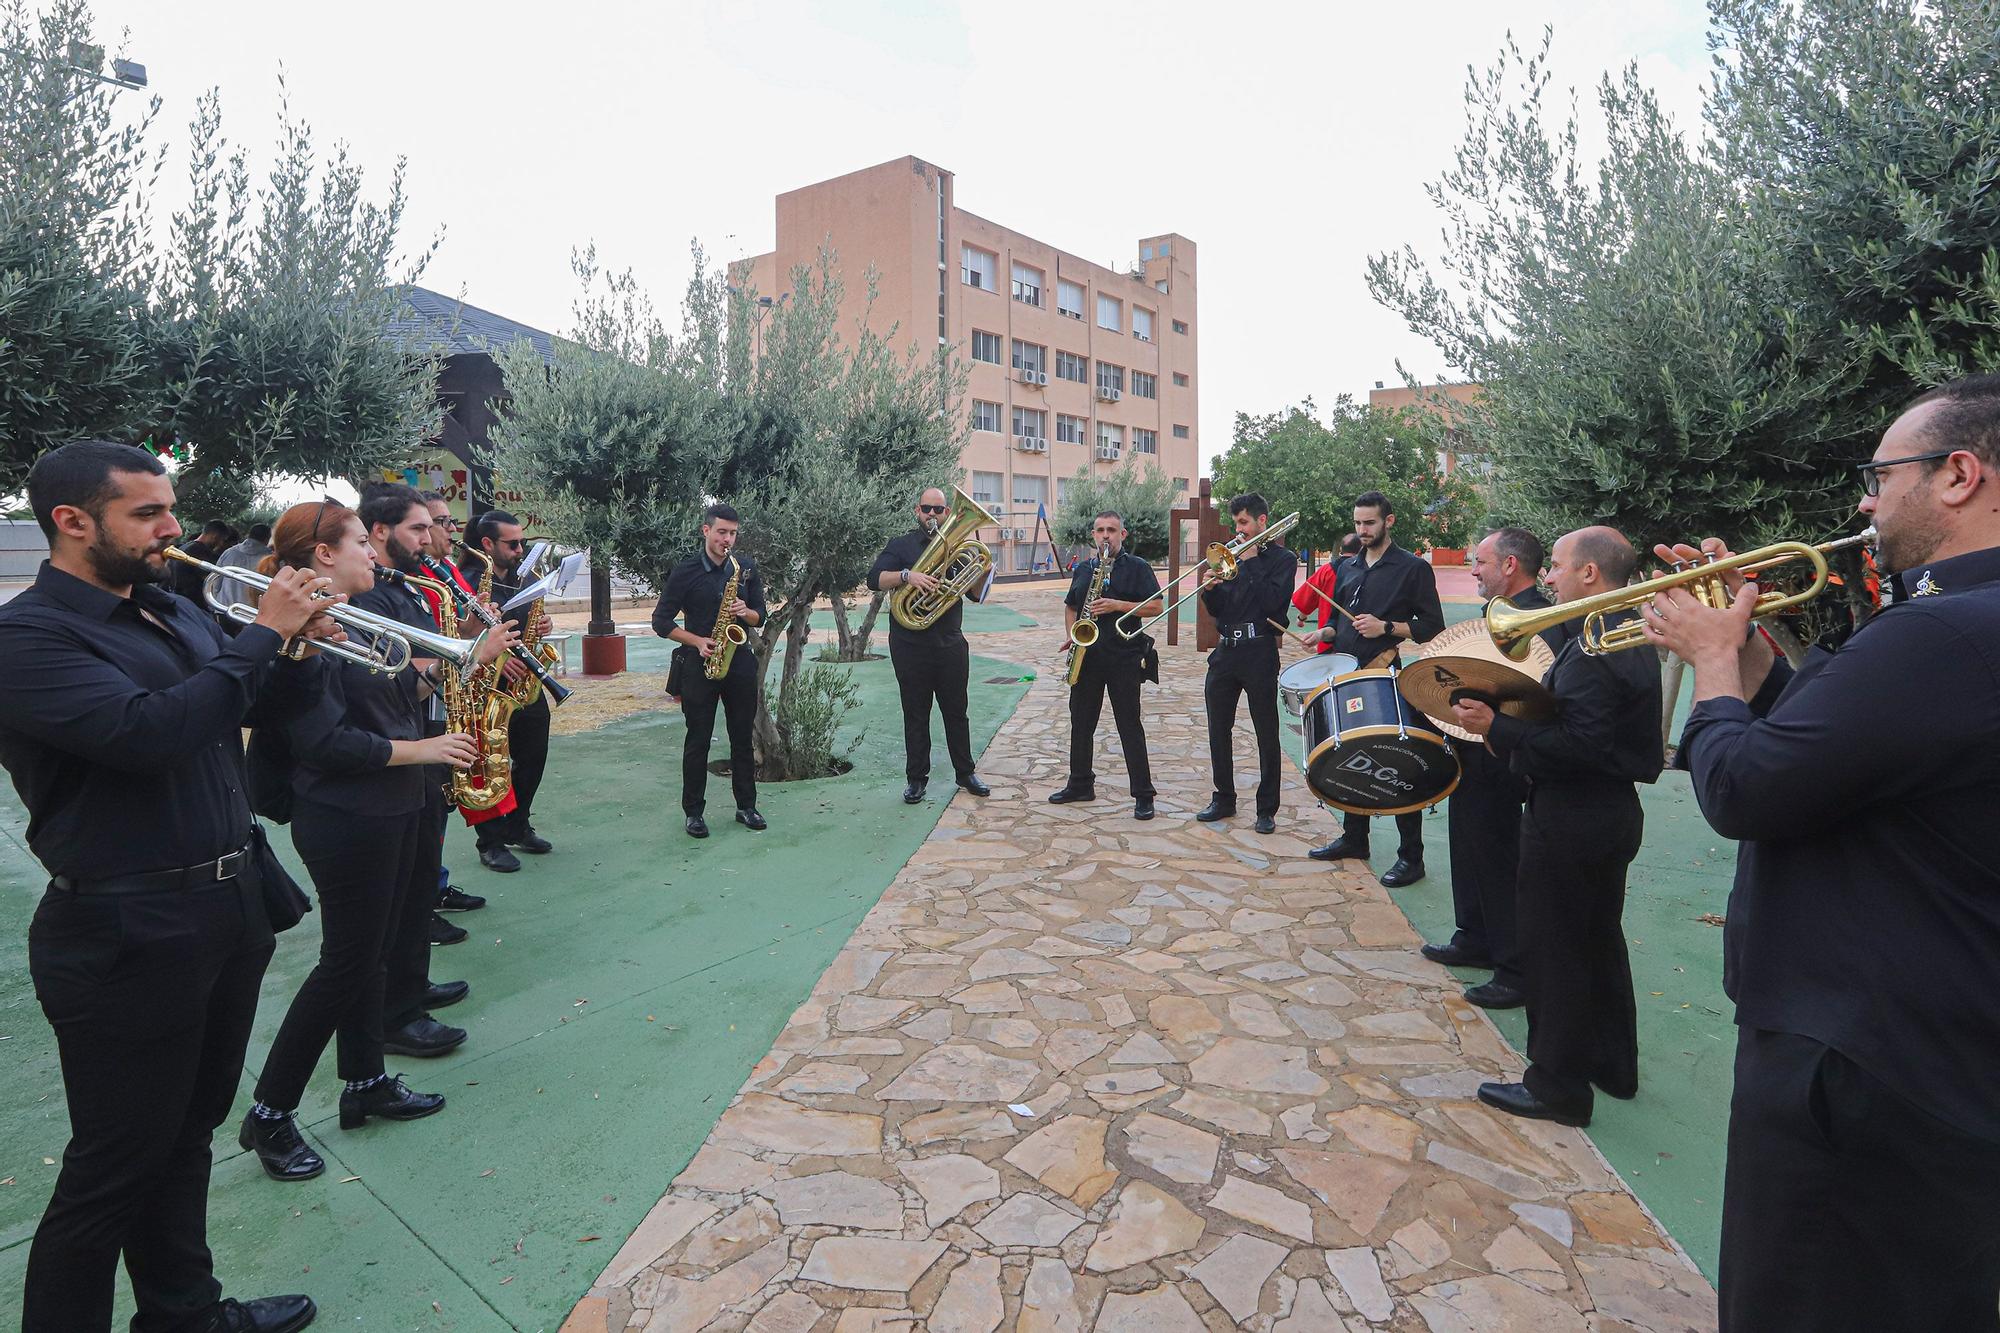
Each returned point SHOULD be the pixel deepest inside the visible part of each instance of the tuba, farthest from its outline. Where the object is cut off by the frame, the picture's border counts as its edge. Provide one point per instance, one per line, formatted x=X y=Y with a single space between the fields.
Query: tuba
x=959 y=563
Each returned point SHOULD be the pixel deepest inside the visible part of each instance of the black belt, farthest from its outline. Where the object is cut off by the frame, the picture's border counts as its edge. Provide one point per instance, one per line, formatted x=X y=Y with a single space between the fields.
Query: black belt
x=160 y=881
x=1235 y=634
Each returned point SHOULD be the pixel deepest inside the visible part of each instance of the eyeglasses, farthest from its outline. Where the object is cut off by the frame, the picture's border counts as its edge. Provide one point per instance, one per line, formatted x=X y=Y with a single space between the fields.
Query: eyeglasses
x=1871 y=473
x=931 y=509
x=515 y=544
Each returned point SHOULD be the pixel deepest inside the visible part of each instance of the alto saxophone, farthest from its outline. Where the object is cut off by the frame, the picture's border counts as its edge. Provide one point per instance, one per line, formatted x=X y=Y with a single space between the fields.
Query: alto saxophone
x=474 y=707
x=728 y=635
x=1084 y=632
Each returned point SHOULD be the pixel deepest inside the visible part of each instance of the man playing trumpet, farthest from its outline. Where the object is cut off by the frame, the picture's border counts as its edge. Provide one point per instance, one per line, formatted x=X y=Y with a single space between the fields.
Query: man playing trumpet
x=1112 y=663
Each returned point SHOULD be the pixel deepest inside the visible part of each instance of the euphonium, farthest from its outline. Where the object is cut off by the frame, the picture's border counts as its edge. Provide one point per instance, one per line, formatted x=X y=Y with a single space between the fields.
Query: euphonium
x=1083 y=633
x=1512 y=628
x=728 y=635
x=959 y=563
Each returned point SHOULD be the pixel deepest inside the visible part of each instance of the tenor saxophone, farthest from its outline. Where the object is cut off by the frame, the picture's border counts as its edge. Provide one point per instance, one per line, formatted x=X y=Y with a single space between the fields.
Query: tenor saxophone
x=474 y=707
x=1084 y=632
x=728 y=635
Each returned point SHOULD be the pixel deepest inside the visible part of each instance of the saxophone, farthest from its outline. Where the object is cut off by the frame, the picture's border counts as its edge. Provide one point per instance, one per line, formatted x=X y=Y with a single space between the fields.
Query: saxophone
x=728 y=635
x=473 y=706
x=1084 y=632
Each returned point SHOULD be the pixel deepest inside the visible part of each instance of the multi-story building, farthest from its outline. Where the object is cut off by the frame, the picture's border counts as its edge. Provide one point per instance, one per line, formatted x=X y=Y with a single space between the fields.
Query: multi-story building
x=1074 y=366
x=1443 y=399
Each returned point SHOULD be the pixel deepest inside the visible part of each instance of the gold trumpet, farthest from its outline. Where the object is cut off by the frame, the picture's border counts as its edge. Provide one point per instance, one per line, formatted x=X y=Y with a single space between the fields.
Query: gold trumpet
x=1513 y=629
x=1218 y=565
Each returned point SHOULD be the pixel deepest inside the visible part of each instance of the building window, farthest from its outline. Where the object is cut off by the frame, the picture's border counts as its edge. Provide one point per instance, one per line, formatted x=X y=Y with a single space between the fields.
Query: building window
x=1027 y=284
x=986 y=347
x=1062 y=493
x=1071 y=430
x=1163 y=252
x=1031 y=493
x=1145 y=441
x=1180 y=326
x=1070 y=366
x=1180 y=483
x=1024 y=557
x=1145 y=253
x=1160 y=285
x=985 y=416
x=1030 y=424
x=1180 y=380
x=1110 y=313
x=1142 y=323
x=1069 y=298
x=1110 y=377
x=1031 y=356
x=1145 y=385
x=978 y=268
x=1110 y=440
x=1180 y=432
x=986 y=488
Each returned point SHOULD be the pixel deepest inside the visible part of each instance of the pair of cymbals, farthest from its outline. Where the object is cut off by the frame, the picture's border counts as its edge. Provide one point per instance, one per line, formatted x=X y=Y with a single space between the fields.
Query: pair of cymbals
x=1464 y=662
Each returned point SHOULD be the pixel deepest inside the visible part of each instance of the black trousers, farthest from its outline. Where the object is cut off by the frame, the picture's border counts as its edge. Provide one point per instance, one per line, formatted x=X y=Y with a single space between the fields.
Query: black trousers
x=409 y=953
x=1845 y=1207
x=1117 y=675
x=363 y=872
x=1248 y=671
x=528 y=744
x=1485 y=821
x=1409 y=833
x=925 y=671
x=1576 y=842
x=737 y=693
x=151 y=997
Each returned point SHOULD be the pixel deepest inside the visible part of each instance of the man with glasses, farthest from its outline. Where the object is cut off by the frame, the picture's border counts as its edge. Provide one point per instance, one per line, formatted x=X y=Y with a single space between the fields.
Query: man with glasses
x=1114 y=664
x=1863 y=933
x=497 y=536
x=931 y=664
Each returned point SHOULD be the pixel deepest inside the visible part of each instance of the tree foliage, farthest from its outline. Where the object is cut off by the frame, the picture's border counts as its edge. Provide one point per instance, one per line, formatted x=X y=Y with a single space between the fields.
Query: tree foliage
x=1142 y=496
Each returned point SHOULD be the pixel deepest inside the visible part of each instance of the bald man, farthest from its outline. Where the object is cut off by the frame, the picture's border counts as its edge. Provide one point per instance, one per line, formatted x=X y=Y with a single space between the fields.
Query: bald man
x=1579 y=834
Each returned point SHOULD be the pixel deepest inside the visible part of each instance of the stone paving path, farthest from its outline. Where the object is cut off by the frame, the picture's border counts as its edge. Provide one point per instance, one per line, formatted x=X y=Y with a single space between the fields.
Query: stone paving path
x=1075 y=1071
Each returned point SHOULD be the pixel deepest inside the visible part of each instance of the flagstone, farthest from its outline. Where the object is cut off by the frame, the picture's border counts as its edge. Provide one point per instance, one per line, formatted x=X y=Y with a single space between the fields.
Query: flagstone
x=974 y=1126
x=1651 y=1296
x=865 y=1263
x=990 y=997
x=1255 y=1066
x=1008 y=963
x=1048 y=1300
x=1142 y=1048
x=1378 y=1131
x=792 y=1312
x=669 y=1222
x=1615 y=1219
x=1316 y=1024
x=1184 y=1019
x=1265 y=1207
x=934 y=1026
x=1298 y=1123
x=1326 y=991
x=763 y=1121
x=1356 y=1188
x=961 y=1073
x=1222 y=1112
x=1311 y=1312
x=1070 y=1047
x=1068 y=1157
x=835 y=1198
x=1249 y=921
x=1016 y=1034
x=1555 y=1223
x=1416 y=1248
x=1161 y=1309
x=1253 y=1014
x=863 y=1013
x=1117 y=1010
x=950 y=1184
x=1028 y=1219
x=971 y=1301
x=859 y=1046
x=1502 y=1178
x=1177 y=1151
x=724 y=1170
x=1126 y=1089
x=1479 y=1304
x=924 y=983
x=824 y=1078
x=1235 y=1272
x=1359 y=1275
x=1409 y=1024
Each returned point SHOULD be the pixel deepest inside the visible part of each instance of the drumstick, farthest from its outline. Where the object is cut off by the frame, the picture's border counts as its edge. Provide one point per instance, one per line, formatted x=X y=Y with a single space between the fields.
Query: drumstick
x=1302 y=639
x=1328 y=600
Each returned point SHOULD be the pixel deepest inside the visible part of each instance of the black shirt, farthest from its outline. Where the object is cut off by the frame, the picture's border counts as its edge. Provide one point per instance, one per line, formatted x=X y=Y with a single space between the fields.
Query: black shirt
x=901 y=554
x=1260 y=593
x=1866 y=911
x=694 y=595
x=1130 y=580
x=1608 y=729
x=123 y=738
x=1397 y=587
x=1555 y=636
x=334 y=721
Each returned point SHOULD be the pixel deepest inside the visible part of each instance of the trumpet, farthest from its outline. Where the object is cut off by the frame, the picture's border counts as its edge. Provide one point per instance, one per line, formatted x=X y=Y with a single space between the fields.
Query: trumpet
x=1513 y=629
x=1218 y=565
x=379 y=644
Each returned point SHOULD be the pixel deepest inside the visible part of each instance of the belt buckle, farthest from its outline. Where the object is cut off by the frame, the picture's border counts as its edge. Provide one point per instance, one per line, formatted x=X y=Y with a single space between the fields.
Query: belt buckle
x=220 y=873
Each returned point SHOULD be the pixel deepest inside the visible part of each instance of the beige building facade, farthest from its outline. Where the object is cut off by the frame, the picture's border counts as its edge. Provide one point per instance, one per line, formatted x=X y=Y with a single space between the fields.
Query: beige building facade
x=1074 y=366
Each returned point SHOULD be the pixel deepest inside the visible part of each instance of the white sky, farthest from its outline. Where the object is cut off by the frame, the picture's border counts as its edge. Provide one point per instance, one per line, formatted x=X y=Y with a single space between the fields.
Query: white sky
x=1289 y=142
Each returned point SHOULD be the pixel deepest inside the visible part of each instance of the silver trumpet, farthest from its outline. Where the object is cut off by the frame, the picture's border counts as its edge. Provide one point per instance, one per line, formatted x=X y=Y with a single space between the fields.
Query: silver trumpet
x=375 y=642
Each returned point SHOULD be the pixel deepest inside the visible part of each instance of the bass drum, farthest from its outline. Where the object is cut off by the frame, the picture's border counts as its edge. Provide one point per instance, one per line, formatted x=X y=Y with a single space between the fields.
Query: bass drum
x=1368 y=752
x=1297 y=681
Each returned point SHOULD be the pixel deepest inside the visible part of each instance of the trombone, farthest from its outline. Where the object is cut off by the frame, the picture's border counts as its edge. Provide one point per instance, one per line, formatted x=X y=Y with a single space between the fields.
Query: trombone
x=381 y=644
x=1218 y=565
x=1513 y=629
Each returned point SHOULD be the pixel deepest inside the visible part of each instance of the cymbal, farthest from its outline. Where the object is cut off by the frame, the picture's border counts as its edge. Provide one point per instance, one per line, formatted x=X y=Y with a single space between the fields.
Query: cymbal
x=1478 y=668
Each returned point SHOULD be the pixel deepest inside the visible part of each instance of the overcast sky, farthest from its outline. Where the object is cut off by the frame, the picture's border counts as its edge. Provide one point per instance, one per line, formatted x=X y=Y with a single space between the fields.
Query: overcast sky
x=1290 y=142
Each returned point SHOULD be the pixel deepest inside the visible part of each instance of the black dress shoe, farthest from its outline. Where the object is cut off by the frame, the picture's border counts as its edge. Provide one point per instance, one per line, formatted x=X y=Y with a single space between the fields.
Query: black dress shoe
x=387 y=1100
x=1265 y=824
x=444 y=993
x=266 y=1314
x=1215 y=810
x=455 y=899
x=1455 y=955
x=1403 y=874
x=280 y=1147
x=1142 y=808
x=443 y=932
x=423 y=1037
x=1068 y=794
x=972 y=784
x=751 y=820
x=697 y=827
x=1341 y=848
x=1495 y=995
x=1516 y=1099
x=914 y=792
x=497 y=857
x=531 y=841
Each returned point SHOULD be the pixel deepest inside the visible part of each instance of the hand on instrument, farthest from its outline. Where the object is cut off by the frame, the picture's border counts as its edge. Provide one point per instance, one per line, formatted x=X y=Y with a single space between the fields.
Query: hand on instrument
x=451 y=748
x=1701 y=635
x=323 y=628
x=1473 y=716
x=1325 y=635
x=514 y=670
x=740 y=609
x=1370 y=627
x=544 y=626
x=706 y=647
x=921 y=581
x=1711 y=548
x=294 y=598
x=1104 y=606
x=497 y=641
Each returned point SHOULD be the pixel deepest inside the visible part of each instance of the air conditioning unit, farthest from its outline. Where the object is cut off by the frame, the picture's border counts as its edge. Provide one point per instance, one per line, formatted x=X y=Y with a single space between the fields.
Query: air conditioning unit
x=1041 y=377
x=1041 y=444
x=1108 y=453
x=1027 y=376
x=1107 y=394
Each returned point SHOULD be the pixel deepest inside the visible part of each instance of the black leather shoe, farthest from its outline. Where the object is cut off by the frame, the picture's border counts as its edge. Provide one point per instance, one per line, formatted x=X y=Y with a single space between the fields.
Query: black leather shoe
x=1495 y=995
x=444 y=993
x=280 y=1147
x=972 y=784
x=751 y=820
x=1215 y=810
x=455 y=899
x=697 y=827
x=497 y=857
x=1455 y=955
x=387 y=1100
x=266 y=1314
x=1403 y=874
x=1342 y=848
x=423 y=1037
x=531 y=841
x=914 y=792
x=1068 y=794
x=1516 y=1099
x=1265 y=824
x=443 y=932
x=1142 y=808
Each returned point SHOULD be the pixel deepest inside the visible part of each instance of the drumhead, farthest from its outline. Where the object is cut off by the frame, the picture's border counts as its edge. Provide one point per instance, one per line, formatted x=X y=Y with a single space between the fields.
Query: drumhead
x=1369 y=753
x=1297 y=682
